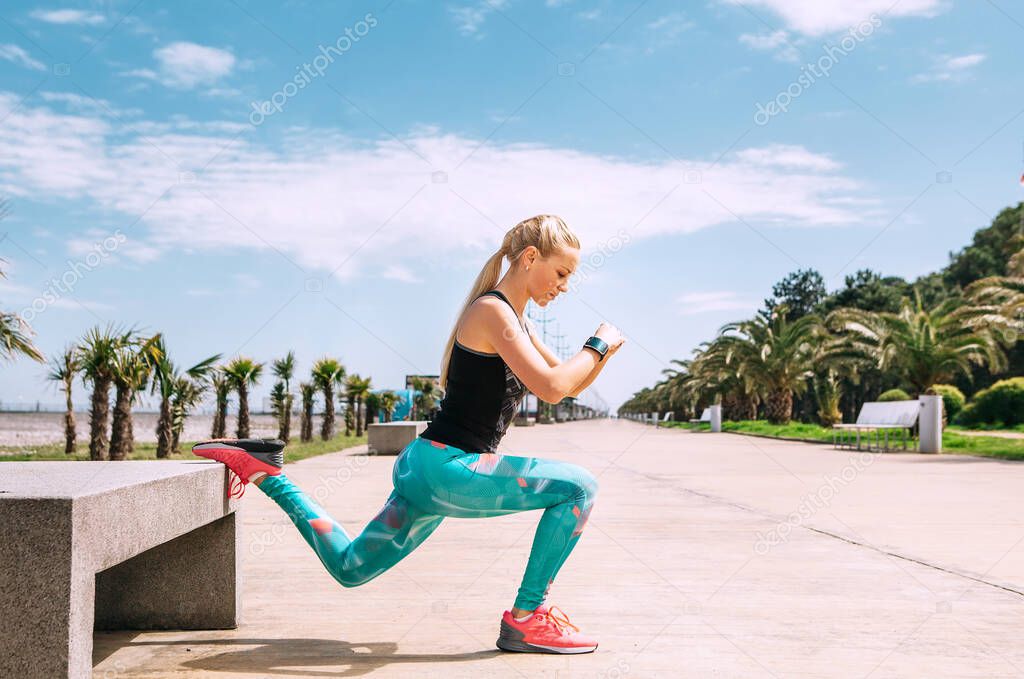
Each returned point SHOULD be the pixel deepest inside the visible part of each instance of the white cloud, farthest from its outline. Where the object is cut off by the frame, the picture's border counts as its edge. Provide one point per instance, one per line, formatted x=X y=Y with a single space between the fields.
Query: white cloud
x=692 y=303
x=951 y=69
x=84 y=104
x=17 y=55
x=184 y=65
x=670 y=26
x=469 y=19
x=789 y=157
x=776 y=41
x=400 y=273
x=319 y=196
x=821 y=17
x=68 y=16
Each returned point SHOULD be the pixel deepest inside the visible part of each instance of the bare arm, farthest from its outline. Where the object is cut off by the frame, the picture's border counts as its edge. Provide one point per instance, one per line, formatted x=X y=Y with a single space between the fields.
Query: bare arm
x=597 y=369
x=589 y=378
x=551 y=383
x=548 y=355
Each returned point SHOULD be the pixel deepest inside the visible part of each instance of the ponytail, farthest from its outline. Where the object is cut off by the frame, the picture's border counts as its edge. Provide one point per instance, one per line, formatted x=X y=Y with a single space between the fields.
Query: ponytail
x=545 y=232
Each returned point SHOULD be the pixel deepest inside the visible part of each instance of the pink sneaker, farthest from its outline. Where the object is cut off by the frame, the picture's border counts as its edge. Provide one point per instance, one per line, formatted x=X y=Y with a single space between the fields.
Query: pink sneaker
x=548 y=630
x=244 y=457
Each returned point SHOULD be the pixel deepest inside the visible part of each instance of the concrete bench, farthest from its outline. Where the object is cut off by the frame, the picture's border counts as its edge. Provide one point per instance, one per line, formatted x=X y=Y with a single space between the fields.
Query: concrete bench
x=878 y=417
x=390 y=438
x=110 y=545
x=664 y=418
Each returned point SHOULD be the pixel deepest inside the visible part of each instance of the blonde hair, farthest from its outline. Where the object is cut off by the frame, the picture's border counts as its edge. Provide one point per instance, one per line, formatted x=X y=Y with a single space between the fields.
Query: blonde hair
x=547 y=233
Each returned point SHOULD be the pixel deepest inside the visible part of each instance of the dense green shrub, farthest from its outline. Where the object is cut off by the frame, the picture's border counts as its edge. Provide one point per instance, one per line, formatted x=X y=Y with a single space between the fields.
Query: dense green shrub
x=894 y=395
x=1001 y=404
x=953 y=399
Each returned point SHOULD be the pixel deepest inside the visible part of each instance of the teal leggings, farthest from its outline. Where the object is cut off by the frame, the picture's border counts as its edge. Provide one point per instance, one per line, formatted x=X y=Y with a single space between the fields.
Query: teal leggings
x=432 y=481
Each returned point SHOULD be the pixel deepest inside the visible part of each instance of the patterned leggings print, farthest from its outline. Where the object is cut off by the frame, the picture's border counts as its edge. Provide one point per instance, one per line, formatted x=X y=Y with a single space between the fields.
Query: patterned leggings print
x=432 y=481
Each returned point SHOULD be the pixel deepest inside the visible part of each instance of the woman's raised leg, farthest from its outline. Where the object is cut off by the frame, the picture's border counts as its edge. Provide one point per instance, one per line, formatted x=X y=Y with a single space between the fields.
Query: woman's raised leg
x=396 y=531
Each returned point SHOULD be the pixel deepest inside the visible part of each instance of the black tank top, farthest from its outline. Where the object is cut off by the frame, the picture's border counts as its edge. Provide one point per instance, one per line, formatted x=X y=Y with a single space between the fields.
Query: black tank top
x=481 y=398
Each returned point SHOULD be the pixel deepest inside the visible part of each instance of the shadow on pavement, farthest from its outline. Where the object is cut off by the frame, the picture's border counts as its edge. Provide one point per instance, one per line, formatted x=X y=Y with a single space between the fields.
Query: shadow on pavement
x=288 y=657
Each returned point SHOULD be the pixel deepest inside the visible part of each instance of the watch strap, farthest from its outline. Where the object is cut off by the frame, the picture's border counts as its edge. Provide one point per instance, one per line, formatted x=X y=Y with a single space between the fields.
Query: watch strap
x=598 y=345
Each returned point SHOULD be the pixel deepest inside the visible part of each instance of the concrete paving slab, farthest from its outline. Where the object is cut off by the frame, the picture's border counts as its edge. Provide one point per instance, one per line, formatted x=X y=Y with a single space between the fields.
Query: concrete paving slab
x=705 y=555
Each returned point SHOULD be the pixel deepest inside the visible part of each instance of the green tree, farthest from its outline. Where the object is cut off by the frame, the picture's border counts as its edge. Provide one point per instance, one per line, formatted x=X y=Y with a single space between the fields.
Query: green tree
x=15 y=333
x=372 y=401
x=361 y=388
x=221 y=386
x=869 y=291
x=425 y=401
x=281 y=395
x=775 y=356
x=132 y=364
x=188 y=393
x=327 y=374
x=243 y=373
x=308 y=393
x=63 y=369
x=166 y=383
x=97 y=353
x=920 y=346
x=388 y=401
x=800 y=293
x=989 y=252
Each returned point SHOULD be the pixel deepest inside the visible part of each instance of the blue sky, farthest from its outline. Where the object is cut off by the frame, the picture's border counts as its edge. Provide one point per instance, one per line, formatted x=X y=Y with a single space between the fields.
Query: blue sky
x=329 y=177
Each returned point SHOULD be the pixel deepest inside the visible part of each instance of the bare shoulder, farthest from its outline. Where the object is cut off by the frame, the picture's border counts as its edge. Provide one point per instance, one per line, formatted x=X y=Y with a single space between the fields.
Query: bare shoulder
x=485 y=318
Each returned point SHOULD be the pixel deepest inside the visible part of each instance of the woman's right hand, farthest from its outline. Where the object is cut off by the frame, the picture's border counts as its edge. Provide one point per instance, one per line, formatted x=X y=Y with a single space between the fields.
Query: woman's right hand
x=611 y=335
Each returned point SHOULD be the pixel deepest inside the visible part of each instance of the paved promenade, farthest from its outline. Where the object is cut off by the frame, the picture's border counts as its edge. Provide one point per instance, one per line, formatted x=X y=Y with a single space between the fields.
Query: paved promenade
x=706 y=555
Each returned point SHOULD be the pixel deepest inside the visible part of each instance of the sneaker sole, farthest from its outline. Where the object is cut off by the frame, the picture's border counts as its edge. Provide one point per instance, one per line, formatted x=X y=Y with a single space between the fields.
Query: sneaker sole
x=510 y=639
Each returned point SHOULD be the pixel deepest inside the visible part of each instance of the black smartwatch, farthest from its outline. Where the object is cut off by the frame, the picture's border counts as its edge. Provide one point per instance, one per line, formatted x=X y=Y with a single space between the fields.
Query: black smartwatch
x=598 y=345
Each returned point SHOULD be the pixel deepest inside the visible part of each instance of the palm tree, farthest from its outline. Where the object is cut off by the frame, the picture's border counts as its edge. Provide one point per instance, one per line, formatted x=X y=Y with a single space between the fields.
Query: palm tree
x=165 y=381
x=388 y=401
x=1004 y=293
x=97 y=352
x=372 y=408
x=221 y=391
x=188 y=393
x=281 y=396
x=63 y=369
x=426 y=400
x=15 y=333
x=361 y=388
x=328 y=373
x=827 y=394
x=308 y=392
x=243 y=373
x=922 y=346
x=774 y=356
x=351 y=389
x=16 y=336
x=133 y=362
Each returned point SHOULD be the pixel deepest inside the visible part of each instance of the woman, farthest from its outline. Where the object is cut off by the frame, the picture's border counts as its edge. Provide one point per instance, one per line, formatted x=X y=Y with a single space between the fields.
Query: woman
x=452 y=468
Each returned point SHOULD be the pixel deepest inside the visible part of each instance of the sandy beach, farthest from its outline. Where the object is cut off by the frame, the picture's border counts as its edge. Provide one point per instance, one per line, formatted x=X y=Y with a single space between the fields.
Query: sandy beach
x=33 y=429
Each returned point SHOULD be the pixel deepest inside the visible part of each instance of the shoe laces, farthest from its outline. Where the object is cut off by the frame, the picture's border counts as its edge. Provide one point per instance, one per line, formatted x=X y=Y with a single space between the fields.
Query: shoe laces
x=236 y=486
x=559 y=619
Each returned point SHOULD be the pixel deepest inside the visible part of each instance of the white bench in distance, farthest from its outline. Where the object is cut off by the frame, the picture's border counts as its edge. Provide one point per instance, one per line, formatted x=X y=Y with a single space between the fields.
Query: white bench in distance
x=878 y=417
x=705 y=416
